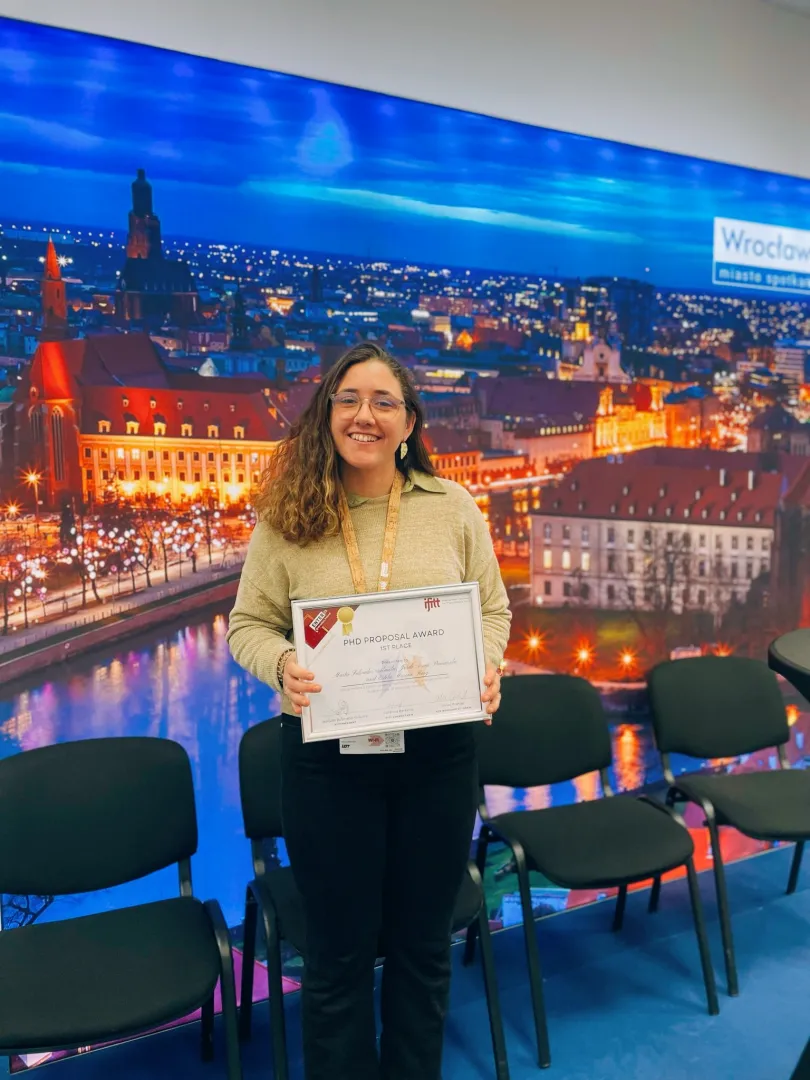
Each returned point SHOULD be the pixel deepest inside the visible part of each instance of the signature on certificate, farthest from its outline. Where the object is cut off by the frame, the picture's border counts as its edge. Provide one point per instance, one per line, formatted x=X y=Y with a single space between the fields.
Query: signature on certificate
x=417 y=670
x=341 y=711
x=391 y=670
x=386 y=674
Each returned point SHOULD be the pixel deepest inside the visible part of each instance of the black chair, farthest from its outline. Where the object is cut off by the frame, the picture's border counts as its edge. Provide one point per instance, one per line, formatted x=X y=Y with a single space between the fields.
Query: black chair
x=89 y=815
x=722 y=707
x=802 y=1070
x=274 y=904
x=552 y=728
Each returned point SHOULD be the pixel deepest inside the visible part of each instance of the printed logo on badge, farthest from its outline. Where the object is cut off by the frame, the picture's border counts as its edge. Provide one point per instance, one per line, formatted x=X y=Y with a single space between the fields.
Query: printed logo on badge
x=432 y=602
x=388 y=742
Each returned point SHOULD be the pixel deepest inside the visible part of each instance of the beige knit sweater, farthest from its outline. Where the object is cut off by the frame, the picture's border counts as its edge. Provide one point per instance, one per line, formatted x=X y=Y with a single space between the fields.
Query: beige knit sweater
x=442 y=539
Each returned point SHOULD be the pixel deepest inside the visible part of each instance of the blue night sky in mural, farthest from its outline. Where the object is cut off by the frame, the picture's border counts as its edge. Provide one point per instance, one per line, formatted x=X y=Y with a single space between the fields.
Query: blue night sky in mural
x=238 y=154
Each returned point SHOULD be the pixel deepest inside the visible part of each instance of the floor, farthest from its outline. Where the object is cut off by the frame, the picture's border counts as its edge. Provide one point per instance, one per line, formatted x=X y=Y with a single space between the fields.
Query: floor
x=627 y=1006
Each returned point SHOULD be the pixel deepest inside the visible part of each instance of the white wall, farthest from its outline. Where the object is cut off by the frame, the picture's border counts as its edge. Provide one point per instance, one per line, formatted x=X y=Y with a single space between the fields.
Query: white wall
x=722 y=79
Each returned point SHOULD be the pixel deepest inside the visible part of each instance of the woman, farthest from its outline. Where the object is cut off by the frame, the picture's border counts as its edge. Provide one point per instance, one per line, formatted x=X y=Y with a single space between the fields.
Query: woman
x=378 y=843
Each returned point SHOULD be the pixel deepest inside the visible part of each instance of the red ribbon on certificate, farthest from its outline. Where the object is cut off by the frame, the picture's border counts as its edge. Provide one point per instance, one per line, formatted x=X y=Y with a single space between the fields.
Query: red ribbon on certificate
x=318 y=623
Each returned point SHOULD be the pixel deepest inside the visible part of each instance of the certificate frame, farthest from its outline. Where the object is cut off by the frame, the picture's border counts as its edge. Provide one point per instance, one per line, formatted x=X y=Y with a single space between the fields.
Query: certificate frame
x=315 y=622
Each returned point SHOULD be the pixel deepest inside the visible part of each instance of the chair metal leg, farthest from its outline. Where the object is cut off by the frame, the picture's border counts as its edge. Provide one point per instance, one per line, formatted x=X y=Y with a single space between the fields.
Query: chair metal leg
x=207 y=1030
x=227 y=985
x=275 y=986
x=655 y=895
x=533 y=960
x=621 y=902
x=723 y=908
x=230 y=1019
x=248 y=965
x=480 y=862
x=493 y=1000
x=795 y=865
x=268 y=926
x=703 y=941
x=469 y=944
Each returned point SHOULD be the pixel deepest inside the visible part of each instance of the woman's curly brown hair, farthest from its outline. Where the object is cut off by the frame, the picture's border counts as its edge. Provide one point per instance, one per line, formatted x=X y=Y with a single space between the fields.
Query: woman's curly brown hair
x=301 y=486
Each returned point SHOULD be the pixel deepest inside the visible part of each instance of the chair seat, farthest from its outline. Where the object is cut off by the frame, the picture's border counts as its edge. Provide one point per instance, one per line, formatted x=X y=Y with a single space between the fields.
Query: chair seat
x=603 y=843
x=289 y=906
x=772 y=805
x=84 y=980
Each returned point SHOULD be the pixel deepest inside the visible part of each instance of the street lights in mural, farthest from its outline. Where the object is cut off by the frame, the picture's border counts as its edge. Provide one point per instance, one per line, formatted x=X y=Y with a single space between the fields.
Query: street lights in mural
x=533 y=644
x=206 y=520
x=30 y=577
x=85 y=554
x=583 y=655
x=33 y=479
x=628 y=662
x=11 y=513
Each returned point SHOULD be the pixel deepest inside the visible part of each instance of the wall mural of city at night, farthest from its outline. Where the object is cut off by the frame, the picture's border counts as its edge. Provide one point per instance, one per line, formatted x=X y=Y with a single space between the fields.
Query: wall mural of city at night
x=611 y=342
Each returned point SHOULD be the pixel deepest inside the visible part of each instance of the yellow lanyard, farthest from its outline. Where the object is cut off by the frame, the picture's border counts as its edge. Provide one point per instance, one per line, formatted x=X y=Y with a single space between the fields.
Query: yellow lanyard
x=389 y=540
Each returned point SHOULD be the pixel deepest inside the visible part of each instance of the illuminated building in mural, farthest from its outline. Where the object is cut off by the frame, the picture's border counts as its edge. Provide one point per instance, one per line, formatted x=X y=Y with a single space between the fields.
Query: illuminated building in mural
x=776 y=428
x=448 y=305
x=106 y=416
x=597 y=361
x=457 y=455
x=670 y=530
x=633 y=309
x=151 y=288
x=630 y=420
x=791 y=361
x=557 y=422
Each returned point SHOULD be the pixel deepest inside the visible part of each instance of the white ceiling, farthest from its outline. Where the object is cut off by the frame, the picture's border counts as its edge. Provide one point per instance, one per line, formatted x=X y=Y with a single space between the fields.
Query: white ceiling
x=802 y=6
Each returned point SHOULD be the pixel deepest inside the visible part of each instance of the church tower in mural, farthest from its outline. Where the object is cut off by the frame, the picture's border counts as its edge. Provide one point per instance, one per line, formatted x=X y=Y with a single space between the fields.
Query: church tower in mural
x=143 y=241
x=54 y=300
x=47 y=399
x=240 y=324
x=152 y=290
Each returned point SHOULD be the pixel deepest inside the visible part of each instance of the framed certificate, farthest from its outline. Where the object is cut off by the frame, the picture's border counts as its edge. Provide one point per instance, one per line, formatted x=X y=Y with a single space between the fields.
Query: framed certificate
x=391 y=661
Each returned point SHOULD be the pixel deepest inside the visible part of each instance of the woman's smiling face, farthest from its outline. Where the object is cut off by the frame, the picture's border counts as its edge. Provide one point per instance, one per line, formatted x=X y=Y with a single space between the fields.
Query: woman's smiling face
x=368 y=434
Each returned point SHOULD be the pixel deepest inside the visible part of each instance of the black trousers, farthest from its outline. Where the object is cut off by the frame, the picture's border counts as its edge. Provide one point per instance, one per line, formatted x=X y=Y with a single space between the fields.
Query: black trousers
x=378 y=846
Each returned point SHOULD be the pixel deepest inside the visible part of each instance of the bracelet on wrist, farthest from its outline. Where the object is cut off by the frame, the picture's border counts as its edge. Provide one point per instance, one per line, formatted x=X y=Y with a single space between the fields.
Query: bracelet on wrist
x=282 y=663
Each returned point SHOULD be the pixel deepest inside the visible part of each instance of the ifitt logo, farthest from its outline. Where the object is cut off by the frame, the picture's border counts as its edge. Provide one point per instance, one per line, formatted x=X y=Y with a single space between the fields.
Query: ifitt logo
x=431 y=602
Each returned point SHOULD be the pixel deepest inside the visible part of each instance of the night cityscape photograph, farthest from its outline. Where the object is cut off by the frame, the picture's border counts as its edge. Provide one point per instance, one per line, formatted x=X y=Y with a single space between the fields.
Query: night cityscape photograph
x=187 y=246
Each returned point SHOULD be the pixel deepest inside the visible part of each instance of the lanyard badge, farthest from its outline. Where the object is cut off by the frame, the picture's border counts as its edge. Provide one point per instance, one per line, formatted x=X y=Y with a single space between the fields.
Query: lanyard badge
x=392 y=742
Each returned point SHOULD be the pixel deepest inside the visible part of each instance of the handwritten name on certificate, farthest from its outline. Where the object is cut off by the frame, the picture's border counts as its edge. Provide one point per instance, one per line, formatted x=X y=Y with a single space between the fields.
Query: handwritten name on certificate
x=392 y=661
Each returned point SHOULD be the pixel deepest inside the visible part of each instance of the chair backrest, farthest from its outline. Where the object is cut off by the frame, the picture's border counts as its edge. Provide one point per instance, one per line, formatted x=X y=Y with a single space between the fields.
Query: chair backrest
x=716 y=706
x=260 y=780
x=92 y=814
x=549 y=728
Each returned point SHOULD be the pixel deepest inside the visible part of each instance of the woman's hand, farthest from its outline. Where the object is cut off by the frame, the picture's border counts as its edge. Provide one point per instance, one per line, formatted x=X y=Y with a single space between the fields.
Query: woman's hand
x=298 y=684
x=492 y=695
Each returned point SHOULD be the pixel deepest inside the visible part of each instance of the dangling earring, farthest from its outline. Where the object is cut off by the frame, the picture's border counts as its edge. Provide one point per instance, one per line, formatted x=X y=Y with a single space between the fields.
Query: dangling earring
x=403 y=450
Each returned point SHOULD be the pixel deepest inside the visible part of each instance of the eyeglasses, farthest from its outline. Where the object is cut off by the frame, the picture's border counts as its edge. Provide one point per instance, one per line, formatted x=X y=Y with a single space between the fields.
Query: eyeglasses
x=380 y=404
